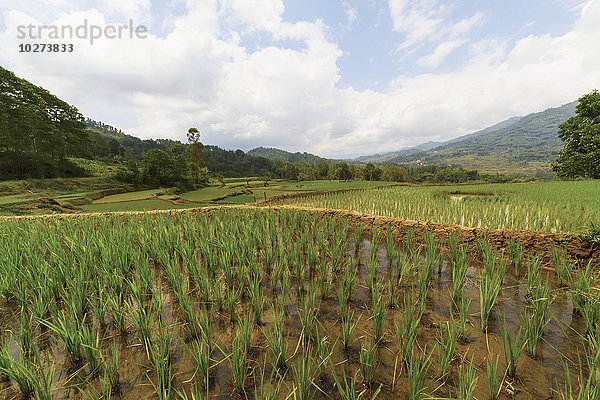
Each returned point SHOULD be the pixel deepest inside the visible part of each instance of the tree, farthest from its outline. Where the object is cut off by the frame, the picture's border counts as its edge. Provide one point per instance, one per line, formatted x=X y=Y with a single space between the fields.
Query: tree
x=581 y=155
x=394 y=173
x=195 y=152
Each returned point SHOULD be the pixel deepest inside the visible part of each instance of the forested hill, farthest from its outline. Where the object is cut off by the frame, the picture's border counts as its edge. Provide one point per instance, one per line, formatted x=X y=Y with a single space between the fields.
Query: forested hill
x=522 y=144
x=282 y=155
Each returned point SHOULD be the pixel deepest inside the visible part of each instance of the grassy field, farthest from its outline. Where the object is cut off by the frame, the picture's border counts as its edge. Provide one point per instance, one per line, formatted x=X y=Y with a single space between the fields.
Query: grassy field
x=136 y=205
x=564 y=207
x=129 y=196
x=252 y=303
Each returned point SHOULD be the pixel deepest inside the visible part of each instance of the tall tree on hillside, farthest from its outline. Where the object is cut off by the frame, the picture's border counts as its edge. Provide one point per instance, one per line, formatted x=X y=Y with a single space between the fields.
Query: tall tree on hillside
x=195 y=152
x=581 y=155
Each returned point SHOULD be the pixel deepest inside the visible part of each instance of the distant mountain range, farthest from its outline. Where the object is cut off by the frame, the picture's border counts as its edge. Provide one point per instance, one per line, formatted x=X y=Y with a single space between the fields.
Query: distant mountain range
x=518 y=144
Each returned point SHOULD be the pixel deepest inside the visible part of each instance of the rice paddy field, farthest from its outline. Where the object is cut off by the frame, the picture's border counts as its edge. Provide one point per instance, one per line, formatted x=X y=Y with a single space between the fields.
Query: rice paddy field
x=259 y=303
x=558 y=207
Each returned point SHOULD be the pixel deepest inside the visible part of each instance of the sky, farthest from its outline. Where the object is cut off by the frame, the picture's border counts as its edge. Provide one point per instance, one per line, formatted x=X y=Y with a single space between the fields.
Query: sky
x=338 y=78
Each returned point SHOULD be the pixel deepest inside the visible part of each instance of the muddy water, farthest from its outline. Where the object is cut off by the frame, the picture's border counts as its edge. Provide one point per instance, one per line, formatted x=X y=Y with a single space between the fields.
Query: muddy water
x=536 y=377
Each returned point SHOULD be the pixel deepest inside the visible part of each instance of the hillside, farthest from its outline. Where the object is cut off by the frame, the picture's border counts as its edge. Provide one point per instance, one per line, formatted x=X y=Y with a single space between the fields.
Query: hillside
x=286 y=156
x=518 y=144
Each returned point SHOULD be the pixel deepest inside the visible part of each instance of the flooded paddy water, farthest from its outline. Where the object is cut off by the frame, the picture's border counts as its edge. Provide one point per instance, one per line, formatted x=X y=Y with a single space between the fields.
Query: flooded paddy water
x=252 y=268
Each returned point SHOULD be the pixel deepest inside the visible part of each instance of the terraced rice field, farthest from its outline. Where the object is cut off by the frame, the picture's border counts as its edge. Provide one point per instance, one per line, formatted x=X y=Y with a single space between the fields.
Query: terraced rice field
x=262 y=304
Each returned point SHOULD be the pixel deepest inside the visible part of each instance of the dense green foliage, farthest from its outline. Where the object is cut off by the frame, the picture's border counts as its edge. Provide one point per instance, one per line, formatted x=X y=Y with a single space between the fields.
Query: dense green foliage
x=38 y=131
x=581 y=134
x=282 y=155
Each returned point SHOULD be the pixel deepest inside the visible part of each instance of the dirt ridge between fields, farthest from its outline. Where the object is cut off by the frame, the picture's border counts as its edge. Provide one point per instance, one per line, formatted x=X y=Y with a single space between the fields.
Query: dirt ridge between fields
x=536 y=243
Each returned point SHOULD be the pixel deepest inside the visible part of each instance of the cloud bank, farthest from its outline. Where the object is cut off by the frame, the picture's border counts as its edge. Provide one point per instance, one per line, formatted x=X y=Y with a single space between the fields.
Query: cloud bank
x=287 y=93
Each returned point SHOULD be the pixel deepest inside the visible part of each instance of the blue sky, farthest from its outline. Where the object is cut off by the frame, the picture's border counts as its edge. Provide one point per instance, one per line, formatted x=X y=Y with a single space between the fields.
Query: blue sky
x=335 y=77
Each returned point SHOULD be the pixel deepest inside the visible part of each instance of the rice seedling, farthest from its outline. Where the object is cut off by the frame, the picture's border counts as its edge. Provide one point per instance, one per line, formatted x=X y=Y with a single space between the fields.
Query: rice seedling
x=516 y=249
x=433 y=254
x=416 y=374
x=348 y=326
x=205 y=327
x=512 y=350
x=391 y=292
x=24 y=374
x=237 y=363
x=257 y=299
x=463 y=317
x=68 y=332
x=390 y=245
x=276 y=341
x=358 y=231
x=404 y=266
x=489 y=288
x=367 y=358
x=459 y=277
x=218 y=292
x=325 y=284
x=588 y=388
x=374 y=253
x=285 y=287
x=268 y=390
x=534 y=276
x=372 y=273
x=303 y=375
x=342 y=303
x=348 y=390
x=446 y=346
x=5 y=359
x=378 y=316
x=231 y=300
x=580 y=292
x=591 y=314
x=466 y=380
x=308 y=314
x=26 y=333
x=201 y=358
x=492 y=375
x=348 y=282
x=409 y=327
x=110 y=366
x=161 y=362
x=561 y=265
x=245 y=330
x=536 y=317
x=454 y=245
x=90 y=347
x=322 y=354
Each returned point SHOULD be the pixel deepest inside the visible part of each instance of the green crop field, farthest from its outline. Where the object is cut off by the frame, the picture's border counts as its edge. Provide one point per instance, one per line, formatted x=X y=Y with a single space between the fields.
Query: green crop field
x=563 y=207
x=262 y=304
x=135 y=205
